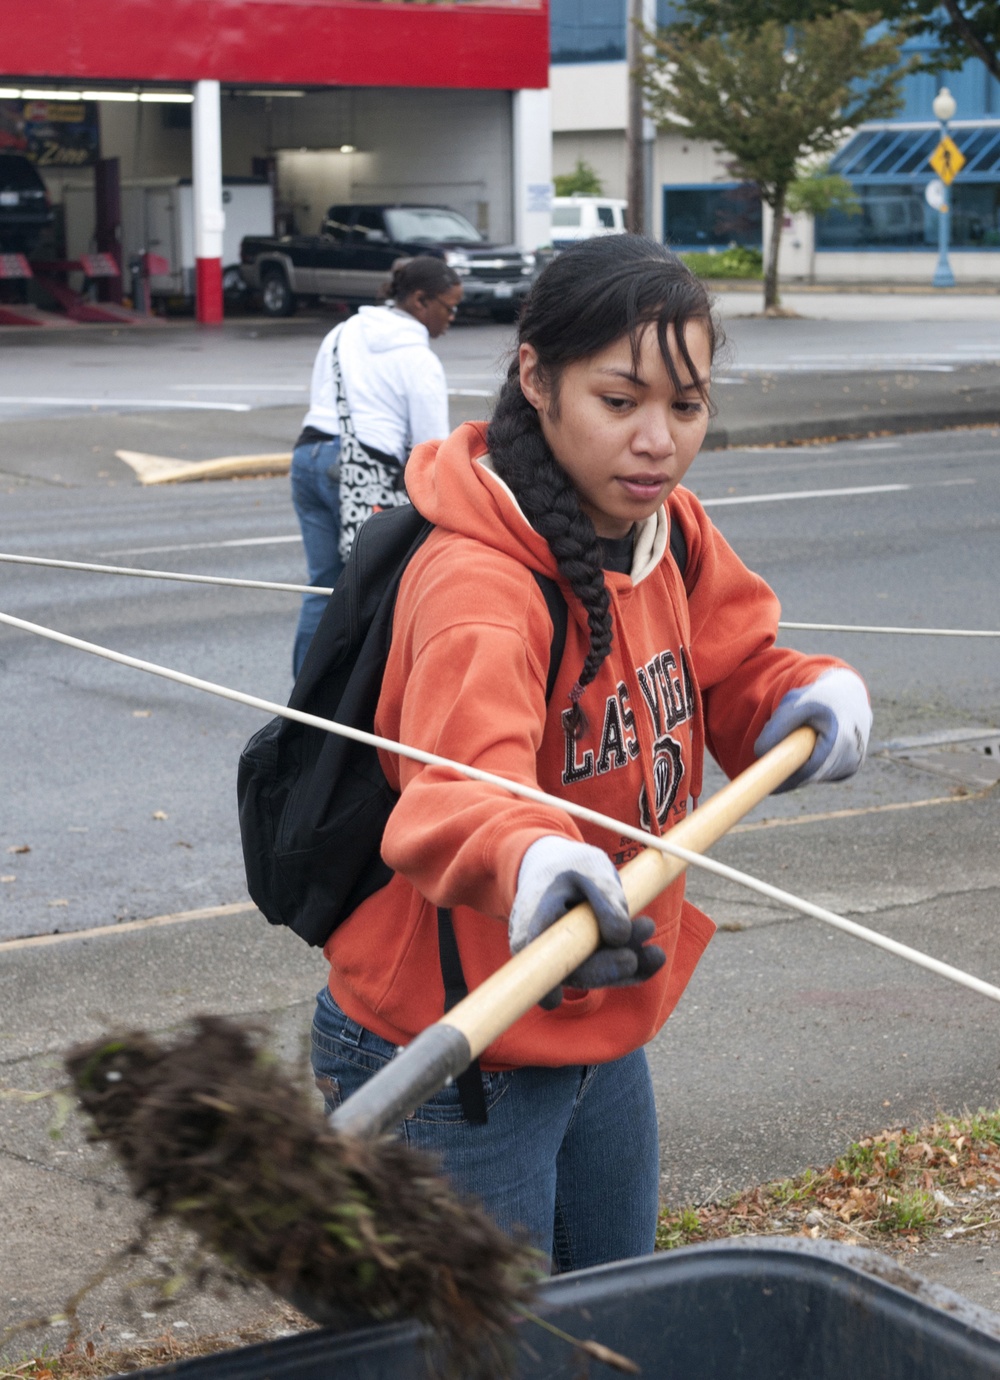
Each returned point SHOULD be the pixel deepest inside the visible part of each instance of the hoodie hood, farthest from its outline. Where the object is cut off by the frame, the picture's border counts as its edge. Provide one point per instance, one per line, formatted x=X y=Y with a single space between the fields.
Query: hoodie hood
x=454 y=484
x=385 y=328
x=449 y=484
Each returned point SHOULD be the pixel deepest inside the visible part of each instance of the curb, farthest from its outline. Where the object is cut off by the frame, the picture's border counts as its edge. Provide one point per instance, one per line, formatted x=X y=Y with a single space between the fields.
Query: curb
x=823 y=429
x=881 y=289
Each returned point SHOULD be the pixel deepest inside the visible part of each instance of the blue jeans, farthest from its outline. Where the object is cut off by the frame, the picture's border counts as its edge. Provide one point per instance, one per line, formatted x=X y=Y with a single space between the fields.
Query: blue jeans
x=569 y=1154
x=317 y=503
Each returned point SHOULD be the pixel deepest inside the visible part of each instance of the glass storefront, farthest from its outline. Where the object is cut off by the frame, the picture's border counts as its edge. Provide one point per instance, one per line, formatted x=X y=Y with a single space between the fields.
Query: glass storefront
x=712 y=216
x=895 y=216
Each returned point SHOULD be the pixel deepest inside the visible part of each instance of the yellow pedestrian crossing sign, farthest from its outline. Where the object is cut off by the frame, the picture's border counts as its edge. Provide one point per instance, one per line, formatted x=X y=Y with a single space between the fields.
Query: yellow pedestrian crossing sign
x=947 y=160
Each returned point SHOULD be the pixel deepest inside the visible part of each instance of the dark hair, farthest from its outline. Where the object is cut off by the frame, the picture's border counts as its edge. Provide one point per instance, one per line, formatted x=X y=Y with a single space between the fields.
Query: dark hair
x=424 y=273
x=582 y=302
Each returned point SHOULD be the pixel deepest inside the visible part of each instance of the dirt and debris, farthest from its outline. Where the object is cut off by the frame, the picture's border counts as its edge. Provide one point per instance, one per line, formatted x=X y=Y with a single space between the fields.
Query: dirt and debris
x=212 y=1133
x=91 y=1358
x=892 y=1191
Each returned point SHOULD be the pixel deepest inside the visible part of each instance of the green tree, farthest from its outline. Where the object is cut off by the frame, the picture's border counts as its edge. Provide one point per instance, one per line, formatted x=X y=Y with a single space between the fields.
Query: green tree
x=582 y=181
x=960 y=28
x=820 y=191
x=773 y=99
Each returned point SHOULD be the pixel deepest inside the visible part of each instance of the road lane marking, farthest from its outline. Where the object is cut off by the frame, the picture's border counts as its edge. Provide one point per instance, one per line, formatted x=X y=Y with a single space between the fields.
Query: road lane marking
x=241 y=387
x=805 y=493
x=169 y=403
x=848 y=365
x=36 y=941
x=860 y=810
x=202 y=545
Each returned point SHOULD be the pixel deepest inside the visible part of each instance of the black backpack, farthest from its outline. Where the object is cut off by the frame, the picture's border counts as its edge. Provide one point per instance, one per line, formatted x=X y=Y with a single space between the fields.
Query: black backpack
x=313 y=806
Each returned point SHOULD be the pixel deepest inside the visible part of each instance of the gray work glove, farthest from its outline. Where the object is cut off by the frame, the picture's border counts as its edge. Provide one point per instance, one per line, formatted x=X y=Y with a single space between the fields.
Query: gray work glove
x=836 y=706
x=555 y=875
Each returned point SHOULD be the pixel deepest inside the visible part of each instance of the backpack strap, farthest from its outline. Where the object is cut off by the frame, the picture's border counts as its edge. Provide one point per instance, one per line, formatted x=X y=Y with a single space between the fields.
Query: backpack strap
x=678 y=547
x=469 y=1083
x=558 y=612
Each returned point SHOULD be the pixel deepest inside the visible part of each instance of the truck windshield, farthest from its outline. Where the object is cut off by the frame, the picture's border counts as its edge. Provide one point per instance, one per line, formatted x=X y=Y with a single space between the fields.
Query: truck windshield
x=430 y=225
x=18 y=175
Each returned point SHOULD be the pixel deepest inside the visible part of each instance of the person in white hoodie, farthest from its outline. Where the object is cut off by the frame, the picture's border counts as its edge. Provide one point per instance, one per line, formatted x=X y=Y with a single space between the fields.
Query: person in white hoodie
x=378 y=390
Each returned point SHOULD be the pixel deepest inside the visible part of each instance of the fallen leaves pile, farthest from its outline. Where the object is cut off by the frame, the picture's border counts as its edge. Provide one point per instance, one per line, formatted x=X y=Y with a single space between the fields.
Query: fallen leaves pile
x=891 y=1191
x=888 y=1191
x=87 y=1360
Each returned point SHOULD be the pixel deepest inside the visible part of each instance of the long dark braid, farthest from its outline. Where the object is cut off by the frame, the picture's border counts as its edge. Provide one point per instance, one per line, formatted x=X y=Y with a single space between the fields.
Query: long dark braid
x=584 y=300
x=549 y=501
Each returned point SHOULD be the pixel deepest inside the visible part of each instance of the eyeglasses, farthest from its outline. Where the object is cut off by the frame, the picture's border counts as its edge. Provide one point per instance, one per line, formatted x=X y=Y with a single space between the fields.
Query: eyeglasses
x=452 y=309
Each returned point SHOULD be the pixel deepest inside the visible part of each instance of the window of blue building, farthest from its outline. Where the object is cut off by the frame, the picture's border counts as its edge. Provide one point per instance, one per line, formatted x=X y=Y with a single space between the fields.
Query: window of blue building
x=712 y=216
x=587 y=30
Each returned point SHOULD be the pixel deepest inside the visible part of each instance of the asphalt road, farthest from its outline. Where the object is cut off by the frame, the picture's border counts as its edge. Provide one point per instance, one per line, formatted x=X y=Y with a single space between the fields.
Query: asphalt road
x=791 y=1039
x=251 y=363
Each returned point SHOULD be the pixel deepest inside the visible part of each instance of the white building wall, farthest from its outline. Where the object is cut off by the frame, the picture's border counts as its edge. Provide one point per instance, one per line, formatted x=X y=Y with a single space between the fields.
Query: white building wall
x=905 y=266
x=796 y=258
x=604 y=150
x=411 y=145
x=588 y=96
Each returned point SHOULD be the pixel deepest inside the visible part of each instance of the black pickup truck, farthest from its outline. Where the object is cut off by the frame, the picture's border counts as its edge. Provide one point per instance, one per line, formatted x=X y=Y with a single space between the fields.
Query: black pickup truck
x=352 y=256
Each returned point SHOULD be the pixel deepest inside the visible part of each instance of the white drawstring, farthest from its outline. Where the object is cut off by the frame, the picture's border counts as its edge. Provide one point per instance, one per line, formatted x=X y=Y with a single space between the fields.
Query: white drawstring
x=603 y=821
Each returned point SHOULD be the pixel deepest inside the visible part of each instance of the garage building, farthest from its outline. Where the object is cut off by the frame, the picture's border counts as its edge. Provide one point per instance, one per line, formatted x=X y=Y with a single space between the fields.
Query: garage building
x=127 y=105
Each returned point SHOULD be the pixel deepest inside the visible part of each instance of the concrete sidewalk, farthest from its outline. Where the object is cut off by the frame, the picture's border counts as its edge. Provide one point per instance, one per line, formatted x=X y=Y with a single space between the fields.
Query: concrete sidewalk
x=66 y=1207
x=779 y=408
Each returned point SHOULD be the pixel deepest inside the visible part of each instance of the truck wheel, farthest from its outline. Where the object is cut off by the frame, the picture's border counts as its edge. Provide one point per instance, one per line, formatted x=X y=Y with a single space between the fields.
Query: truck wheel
x=277 y=297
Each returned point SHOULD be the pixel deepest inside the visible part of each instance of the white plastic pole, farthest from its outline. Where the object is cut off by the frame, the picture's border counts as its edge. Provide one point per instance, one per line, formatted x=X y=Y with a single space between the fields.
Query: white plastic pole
x=531 y=118
x=209 y=217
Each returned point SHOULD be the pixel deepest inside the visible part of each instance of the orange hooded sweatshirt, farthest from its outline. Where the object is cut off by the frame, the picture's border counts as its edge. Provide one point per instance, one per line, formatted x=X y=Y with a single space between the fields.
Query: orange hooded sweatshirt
x=466 y=679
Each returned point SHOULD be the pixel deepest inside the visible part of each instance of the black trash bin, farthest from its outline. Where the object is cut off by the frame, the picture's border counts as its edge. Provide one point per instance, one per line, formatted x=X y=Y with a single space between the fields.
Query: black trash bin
x=743 y=1310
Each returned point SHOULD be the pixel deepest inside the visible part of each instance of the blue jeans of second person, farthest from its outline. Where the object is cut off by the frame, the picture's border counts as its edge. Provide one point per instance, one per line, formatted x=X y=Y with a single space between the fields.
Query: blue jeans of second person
x=317 y=503
x=569 y=1154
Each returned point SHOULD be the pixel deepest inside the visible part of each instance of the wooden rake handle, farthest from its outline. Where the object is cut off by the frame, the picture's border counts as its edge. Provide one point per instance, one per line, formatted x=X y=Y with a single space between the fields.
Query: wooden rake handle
x=445 y=1049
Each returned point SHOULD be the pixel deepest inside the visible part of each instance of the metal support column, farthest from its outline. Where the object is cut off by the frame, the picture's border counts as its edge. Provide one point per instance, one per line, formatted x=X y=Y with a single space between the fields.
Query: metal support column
x=209 y=217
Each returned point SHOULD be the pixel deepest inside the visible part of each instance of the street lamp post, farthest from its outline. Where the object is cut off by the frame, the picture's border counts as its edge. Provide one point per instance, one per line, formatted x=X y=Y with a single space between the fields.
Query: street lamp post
x=944 y=109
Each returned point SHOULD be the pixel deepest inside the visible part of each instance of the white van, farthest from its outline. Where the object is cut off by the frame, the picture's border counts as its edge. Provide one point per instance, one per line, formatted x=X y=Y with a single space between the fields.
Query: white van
x=581 y=217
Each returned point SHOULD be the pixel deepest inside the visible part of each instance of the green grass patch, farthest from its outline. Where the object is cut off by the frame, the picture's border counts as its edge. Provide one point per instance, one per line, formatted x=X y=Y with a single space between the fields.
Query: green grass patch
x=899 y=1185
x=734 y=262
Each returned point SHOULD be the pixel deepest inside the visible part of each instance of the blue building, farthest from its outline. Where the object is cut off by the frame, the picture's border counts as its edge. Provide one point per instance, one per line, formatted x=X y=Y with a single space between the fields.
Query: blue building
x=699 y=205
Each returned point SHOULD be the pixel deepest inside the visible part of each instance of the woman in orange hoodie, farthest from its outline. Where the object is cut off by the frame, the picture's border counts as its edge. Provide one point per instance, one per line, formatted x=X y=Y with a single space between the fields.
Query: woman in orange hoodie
x=576 y=478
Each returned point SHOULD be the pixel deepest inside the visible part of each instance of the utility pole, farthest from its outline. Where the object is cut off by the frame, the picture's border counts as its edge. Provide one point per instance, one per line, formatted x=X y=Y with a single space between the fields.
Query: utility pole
x=635 y=160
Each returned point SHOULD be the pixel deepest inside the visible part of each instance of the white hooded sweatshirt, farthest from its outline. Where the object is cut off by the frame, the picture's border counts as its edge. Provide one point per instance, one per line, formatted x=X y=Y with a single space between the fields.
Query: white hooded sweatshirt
x=395 y=384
